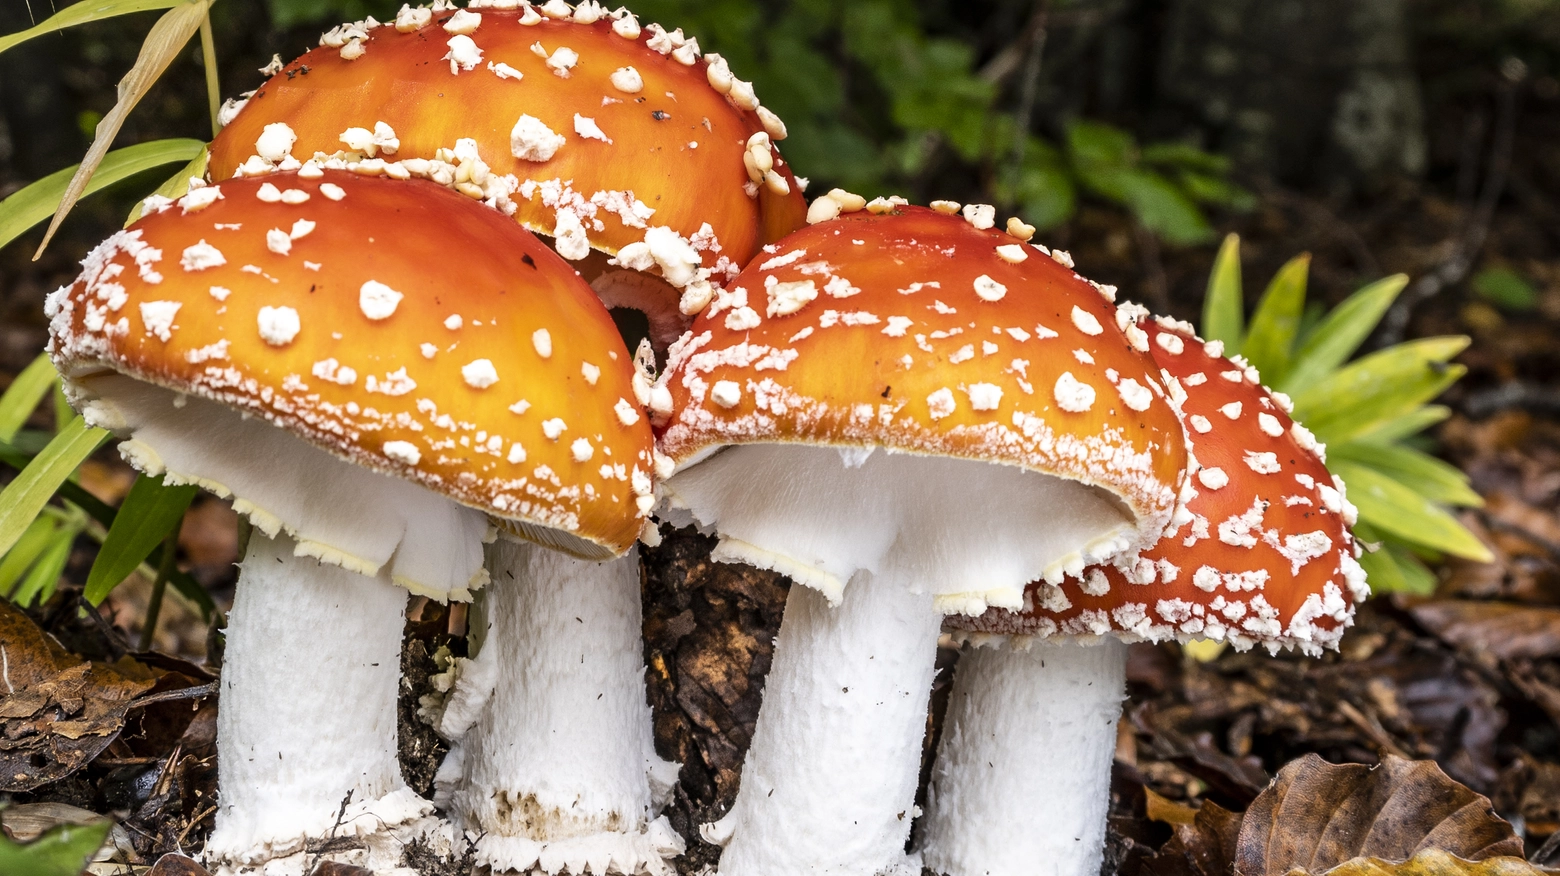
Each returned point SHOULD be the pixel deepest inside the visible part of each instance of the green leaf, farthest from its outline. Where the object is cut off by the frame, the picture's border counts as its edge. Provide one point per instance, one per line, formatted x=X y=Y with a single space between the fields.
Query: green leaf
x=164 y=43
x=1432 y=478
x=60 y=851
x=24 y=497
x=1224 y=309
x=1271 y=336
x=1397 y=510
x=1340 y=333
x=1099 y=144
x=1505 y=289
x=82 y=13
x=175 y=186
x=38 y=201
x=1391 y=569
x=1163 y=209
x=1411 y=423
x=148 y=514
x=45 y=573
x=23 y=396
x=26 y=552
x=1382 y=386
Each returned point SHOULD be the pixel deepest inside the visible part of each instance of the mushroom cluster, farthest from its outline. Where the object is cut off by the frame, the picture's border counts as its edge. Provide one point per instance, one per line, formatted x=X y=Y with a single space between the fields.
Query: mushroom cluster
x=389 y=335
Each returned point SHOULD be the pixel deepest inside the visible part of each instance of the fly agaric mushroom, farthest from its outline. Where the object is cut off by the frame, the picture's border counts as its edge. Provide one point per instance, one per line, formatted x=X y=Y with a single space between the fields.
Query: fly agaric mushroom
x=1022 y=435
x=339 y=355
x=615 y=140
x=1263 y=556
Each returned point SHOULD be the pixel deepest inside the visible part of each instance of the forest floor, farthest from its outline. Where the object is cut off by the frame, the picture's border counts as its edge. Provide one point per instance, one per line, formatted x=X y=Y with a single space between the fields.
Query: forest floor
x=1467 y=678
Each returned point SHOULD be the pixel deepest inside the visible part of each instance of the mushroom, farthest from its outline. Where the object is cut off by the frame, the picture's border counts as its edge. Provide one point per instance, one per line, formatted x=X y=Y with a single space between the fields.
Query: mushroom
x=636 y=154
x=909 y=414
x=1263 y=555
x=338 y=355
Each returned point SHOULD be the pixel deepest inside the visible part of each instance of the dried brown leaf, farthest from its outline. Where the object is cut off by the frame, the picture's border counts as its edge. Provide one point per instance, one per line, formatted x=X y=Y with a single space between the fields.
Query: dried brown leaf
x=1434 y=862
x=1503 y=629
x=1317 y=815
x=175 y=864
x=1206 y=847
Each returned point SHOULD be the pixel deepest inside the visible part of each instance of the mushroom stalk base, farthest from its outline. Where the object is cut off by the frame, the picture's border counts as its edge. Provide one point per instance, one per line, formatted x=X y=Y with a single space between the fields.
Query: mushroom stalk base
x=829 y=783
x=559 y=771
x=306 y=736
x=1021 y=783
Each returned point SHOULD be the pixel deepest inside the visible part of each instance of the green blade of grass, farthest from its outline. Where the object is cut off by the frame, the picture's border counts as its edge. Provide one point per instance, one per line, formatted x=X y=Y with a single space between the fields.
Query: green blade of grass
x=83 y=13
x=36 y=202
x=1397 y=510
x=148 y=514
x=1432 y=478
x=26 y=552
x=1393 y=569
x=1411 y=423
x=1340 y=333
x=175 y=186
x=24 y=497
x=1224 y=310
x=1382 y=386
x=23 y=396
x=164 y=43
x=1270 y=339
x=45 y=574
x=60 y=851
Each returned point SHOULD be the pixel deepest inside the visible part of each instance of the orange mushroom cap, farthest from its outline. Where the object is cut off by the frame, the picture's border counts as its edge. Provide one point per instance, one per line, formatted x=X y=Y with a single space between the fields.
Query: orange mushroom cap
x=919 y=332
x=396 y=325
x=1262 y=554
x=605 y=135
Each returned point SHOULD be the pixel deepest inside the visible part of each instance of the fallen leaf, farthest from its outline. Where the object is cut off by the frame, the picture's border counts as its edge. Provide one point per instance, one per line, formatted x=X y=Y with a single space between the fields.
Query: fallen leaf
x=175 y=864
x=1317 y=815
x=1505 y=630
x=1206 y=847
x=1434 y=862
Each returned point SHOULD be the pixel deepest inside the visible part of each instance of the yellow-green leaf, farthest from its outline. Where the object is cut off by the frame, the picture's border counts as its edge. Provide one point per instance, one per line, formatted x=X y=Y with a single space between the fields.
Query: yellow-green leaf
x=1340 y=333
x=1432 y=478
x=23 y=395
x=1393 y=508
x=82 y=13
x=45 y=573
x=1435 y=862
x=149 y=512
x=1224 y=311
x=166 y=40
x=1382 y=386
x=1270 y=339
x=26 y=552
x=36 y=202
x=62 y=851
x=178 y=185
x=24 y=497
x=1411 y=423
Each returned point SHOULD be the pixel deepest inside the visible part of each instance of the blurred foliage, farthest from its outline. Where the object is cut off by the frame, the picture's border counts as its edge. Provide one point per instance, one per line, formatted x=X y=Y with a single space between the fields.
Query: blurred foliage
x=1505 y=289
x=62 y=851
x=877 y=106
x=1365 y=411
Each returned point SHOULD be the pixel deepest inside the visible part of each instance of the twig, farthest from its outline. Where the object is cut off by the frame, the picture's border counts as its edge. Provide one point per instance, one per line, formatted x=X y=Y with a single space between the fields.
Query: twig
x=1455 y=267
x=1527 y=535
x=1515 y=394
x=1035 y=33
x=184 y=693
x=178 y=841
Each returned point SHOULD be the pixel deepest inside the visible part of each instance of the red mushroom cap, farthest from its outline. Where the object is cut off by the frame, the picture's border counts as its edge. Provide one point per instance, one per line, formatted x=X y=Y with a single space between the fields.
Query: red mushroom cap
x=1261 y=554
x=605 y=135
x=923 y=333
x=397 y=325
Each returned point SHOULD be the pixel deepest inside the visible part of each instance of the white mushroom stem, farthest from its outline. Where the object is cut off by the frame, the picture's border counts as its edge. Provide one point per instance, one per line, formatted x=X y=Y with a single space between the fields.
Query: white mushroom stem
x=829 y=783
x=559 y=771
x=1023 y=771
x=294 y=747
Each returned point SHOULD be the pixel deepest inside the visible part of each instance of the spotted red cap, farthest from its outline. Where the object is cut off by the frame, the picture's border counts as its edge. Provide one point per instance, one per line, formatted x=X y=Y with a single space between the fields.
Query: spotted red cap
x=396 y=325
x=1261 y=553
x=603 y=134
x=928 y=333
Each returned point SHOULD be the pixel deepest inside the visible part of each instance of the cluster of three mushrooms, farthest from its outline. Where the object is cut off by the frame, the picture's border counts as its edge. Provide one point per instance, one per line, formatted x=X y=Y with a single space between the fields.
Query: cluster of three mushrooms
x=912 y=414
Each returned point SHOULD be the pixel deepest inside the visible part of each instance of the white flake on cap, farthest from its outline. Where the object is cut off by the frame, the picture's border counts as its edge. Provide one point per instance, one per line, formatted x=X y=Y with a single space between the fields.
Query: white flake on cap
x=479 y=373
x=268 y=193
x=157 y=317
x=897 y=325
x=562 y=61
x=553 y=428
x=1270 y=425
x=981 y=216
x=726 y=393
x=1012 y=253
x=1231 y=410
x=941 y=403
x=541 y=339
x=278 y=241
x=591 y=373
x=1135 y=395
x=334 y=372
x=301 y=229
x=278 y=325
x=200 y=256
x=463 y=22
x=586 y=127
x=275 y=142
x=1086 y=321
x=199 y=199
x=984 y=396
x=1171 y=343
x=627 y=80
x=627 y=414
x=453 y=321
x=464 y=54
x=504 y=71
x=988 y=289
x=404 y=452
x=787 y=298
x=1262 y=463
x=332 y=191
x=532 y=140
x=581 y=450
x=1213 y=478
x=378 y=301
x=1237 y=531
x=1073 y=395
x=1201 y=424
